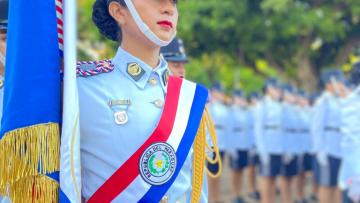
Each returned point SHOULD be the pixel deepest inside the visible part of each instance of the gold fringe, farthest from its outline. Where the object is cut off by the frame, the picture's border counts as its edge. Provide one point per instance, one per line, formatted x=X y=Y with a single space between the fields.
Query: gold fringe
x=211 y=129
x=35 y=189
x=198 y=163
x=28 y=152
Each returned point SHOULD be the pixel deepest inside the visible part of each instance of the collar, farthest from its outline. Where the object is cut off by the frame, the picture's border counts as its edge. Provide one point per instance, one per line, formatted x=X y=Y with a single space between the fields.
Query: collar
x=123 y=58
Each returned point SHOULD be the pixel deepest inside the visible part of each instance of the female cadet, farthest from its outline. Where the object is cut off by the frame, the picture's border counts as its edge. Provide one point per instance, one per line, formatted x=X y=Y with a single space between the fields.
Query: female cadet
x=140 y=134
x=290 y=143
x=240 y=142
x=269 y=139
x=327 y=137
x=349 y=175
x=254 y=194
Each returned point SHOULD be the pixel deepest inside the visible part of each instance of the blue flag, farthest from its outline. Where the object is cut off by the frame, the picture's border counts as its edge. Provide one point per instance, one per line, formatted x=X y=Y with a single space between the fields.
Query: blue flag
x=31 y=110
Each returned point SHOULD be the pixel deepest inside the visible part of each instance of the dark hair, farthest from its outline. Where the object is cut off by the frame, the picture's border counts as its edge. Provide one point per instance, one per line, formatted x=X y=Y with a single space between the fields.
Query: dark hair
x=105 y=23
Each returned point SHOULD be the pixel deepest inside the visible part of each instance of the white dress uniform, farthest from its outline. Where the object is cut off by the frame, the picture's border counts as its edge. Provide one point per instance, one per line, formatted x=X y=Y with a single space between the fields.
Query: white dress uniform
x=253 y=151
x=239 y=134
x=305 y=138
x=220 y=115
x=239 y=140
x=327 y=138
x=350 y=127
x=118 y=112
x=269 y=136
x=291 y=144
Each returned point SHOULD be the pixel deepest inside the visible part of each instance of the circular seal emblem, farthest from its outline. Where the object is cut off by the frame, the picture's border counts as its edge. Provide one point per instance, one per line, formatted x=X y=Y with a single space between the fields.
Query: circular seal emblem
x=158 y=163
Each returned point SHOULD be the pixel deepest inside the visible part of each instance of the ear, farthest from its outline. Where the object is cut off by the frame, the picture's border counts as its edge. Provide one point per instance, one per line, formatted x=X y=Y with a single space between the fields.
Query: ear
x=118 y=12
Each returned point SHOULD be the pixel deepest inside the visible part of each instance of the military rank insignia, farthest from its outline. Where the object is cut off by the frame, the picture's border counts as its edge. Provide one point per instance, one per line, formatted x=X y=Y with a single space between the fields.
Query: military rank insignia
x=135 y=71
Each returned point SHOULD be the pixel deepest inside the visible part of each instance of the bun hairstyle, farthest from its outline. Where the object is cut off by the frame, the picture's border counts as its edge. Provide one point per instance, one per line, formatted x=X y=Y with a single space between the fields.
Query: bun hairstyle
x=105 y=23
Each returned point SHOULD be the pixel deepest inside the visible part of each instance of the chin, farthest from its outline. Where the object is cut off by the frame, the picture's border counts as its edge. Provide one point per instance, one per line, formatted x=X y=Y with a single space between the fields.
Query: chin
x=165 y=36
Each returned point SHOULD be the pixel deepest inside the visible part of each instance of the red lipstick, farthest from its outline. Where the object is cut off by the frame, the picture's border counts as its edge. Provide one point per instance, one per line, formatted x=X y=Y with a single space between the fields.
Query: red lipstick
x=165 y=23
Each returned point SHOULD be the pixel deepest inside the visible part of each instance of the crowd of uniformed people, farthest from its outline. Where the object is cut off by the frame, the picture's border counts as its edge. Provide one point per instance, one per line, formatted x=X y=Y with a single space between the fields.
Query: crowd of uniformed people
x=291 y=136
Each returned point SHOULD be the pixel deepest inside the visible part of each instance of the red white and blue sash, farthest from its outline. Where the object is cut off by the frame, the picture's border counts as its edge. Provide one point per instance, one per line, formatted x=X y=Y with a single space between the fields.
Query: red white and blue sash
x=184 y=105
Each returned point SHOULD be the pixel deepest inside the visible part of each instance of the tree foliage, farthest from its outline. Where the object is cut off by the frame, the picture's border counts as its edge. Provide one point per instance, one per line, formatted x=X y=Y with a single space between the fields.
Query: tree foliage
x=296 y=38
x=241 y=42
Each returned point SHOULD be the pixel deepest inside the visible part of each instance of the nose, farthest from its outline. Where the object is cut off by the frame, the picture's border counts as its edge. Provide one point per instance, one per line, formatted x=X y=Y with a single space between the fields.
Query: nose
x=168 y=7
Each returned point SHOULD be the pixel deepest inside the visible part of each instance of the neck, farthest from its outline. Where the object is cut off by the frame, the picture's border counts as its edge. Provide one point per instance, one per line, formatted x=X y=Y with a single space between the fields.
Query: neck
x=147 y=52
x=1 y=69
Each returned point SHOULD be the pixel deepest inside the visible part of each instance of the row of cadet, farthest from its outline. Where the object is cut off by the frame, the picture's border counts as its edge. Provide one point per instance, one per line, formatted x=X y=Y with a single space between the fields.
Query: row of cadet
x=290 y=133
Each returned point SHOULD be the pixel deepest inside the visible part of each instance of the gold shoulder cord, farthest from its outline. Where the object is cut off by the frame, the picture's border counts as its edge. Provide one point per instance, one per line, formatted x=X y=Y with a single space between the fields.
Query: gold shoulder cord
x=215 y=149
x=200 y=156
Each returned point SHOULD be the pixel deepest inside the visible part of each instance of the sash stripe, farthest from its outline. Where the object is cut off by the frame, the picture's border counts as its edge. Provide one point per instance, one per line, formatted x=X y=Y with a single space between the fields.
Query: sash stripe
x=136 y=190
x=123 y=176
x=157 y=192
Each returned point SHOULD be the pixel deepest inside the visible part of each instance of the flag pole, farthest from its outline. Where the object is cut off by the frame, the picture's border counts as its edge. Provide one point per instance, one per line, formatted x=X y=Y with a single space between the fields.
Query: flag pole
x=70 y=173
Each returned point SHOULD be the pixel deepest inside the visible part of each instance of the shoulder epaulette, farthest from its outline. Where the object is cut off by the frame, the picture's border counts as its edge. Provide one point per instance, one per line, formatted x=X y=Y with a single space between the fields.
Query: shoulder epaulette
x=92 y=68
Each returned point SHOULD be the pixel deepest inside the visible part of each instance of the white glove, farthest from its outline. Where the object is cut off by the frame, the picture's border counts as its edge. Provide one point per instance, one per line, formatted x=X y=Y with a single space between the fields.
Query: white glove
x=322 y=158
x=265 y=159
x=287 y=158
x=252 y=152
x=354 y=189
x=233 y=154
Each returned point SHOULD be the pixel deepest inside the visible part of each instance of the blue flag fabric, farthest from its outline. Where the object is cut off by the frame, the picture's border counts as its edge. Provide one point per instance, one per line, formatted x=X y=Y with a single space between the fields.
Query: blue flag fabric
x=32 y=85
x=31 y=107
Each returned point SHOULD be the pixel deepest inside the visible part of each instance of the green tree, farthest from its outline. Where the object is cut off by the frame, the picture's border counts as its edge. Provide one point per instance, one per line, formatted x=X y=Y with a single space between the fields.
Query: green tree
x=241 y=42
x=297 y=38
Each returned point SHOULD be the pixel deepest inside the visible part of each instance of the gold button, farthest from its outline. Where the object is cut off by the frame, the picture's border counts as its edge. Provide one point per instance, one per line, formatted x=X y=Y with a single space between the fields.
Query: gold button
x=158 y=103
x=153 y=81
x=165 y=199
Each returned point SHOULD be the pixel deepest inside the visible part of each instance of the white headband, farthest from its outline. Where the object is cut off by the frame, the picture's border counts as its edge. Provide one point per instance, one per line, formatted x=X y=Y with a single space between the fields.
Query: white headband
x=144 y=28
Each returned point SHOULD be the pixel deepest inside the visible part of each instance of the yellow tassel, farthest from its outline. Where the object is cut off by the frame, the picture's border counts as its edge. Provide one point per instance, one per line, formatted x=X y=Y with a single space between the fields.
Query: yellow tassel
x=211 y=129
x=39 y=189
x=28 y=152
x=198 y=163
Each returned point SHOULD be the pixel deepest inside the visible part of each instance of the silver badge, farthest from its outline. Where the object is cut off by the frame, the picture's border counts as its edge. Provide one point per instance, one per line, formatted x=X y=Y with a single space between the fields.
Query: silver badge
x=121 y=117
x=158 y=163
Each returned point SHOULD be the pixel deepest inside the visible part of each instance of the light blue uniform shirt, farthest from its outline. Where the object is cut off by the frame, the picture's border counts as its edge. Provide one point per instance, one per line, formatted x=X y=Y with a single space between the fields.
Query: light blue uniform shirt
x=239 y=133
x=106 y=145
x=305 y=142
x=326 y=125
x=220 y=116
x=251 y=111
x=290 y=129
x=268 y=127
x=350 y=127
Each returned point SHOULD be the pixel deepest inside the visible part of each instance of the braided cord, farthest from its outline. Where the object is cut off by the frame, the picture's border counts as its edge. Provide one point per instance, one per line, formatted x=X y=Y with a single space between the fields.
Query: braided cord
x=198 y=162
x=217 y=160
